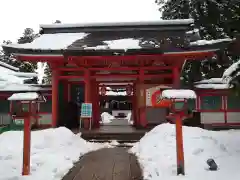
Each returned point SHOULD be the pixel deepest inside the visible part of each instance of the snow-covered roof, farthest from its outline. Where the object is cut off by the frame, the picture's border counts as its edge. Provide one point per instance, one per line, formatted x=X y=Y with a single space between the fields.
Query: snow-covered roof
x=104 y=24
x=209 y=42
x=55 y=40
x=16 y=87
x=8 y=66
x=213 y=86
x=13 y=76
x=29 y=96
x=51 y=41
x=213 y=83
x=179 y=94
x=128 y=43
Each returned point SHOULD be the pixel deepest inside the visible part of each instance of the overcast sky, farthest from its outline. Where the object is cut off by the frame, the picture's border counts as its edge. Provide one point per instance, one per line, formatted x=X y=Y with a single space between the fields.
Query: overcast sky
x=16 y=15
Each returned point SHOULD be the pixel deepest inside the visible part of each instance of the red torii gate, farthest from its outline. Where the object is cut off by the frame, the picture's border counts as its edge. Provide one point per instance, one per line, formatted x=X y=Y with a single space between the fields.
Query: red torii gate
x=88 y=75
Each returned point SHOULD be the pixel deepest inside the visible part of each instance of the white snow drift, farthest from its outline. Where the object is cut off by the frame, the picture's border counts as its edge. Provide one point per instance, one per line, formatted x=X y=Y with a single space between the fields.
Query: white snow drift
x=53 y=152
x=157 y=153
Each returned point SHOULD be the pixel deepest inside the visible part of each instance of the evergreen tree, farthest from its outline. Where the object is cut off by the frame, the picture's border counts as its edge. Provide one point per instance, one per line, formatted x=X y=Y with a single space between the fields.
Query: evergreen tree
x=27 y=37
x=47 y=75
x=215 y=19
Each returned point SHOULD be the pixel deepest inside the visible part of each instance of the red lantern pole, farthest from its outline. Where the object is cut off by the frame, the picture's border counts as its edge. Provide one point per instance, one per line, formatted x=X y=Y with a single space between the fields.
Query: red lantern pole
x=26 y=145
x=179 y=144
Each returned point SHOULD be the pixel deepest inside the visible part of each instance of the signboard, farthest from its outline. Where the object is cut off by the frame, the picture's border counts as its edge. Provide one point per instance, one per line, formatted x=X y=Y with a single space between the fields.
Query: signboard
x=154 y=97
x=86 y=110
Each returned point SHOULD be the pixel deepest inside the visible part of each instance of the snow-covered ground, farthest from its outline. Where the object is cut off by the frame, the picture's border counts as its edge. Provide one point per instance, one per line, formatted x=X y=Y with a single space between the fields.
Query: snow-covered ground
x=157 y=153
x=53 y=152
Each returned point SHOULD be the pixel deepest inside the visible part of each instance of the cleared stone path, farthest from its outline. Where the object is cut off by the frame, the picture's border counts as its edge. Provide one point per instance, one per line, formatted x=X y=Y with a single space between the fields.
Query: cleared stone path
x=106 y=164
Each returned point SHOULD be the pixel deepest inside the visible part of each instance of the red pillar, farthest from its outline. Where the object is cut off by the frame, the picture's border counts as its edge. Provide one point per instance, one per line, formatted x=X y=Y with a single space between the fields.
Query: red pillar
x=179 y=145
x=87 y=95
x=176 y=77
x=94 y=102
x=97 y=125
x=55 y=82
x=26 y=145
x=134 y=105
x=142 y=110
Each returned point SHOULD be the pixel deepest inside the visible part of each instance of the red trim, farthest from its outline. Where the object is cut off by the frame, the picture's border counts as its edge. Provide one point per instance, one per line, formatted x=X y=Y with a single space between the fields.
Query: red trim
x=223 y=124
x=117 y=68
x=224 y=100
x=50 y=58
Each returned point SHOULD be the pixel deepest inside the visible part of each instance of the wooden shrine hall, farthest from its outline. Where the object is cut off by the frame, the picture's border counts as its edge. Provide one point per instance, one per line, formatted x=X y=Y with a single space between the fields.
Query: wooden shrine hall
x=132 y=55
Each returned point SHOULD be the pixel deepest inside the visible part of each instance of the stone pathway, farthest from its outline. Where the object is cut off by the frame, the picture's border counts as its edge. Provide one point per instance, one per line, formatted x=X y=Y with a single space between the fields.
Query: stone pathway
x=106 y=164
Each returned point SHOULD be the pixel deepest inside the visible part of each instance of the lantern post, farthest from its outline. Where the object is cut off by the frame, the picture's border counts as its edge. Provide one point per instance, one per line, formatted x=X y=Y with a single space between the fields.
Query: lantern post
x=28 y=109
x=179 y=109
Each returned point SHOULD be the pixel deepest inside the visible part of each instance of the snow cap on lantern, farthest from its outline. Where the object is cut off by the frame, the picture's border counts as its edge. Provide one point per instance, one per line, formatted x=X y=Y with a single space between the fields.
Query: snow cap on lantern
x=179 y=94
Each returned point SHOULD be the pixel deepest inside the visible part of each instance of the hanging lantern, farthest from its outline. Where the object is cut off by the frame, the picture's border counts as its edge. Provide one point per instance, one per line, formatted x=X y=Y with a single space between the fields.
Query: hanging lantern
x=129 y=90
x=157 y=100
x=103 y=90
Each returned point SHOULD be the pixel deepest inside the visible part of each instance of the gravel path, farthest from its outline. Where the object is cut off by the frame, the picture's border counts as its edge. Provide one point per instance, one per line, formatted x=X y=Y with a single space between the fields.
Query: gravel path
x=106 y=164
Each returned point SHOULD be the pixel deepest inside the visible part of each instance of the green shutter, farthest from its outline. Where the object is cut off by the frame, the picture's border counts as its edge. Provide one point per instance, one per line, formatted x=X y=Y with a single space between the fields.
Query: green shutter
x=233 y=102
x=191 y=104
x=46 y=106
x=211 y=102
x=4 y=106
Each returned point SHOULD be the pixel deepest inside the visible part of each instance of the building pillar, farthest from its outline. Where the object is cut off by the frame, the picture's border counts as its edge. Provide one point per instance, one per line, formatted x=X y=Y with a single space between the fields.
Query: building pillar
x=94 y=99
x=142 y=109
x=176 y=77
x=87 y=95
x=55 y=83
x=134 y=105
x=98 y=108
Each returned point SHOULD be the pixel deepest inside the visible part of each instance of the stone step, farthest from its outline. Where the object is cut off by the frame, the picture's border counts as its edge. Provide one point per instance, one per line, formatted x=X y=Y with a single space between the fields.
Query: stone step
x=113 y=136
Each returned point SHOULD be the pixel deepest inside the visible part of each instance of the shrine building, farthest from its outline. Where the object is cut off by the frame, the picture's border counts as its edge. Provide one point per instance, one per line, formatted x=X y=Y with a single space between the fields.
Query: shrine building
x=140 y=58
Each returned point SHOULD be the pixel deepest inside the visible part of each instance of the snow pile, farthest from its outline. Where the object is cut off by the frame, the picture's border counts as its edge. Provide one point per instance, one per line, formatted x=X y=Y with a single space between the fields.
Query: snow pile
x=179 y=93
x=53 y=152
x=157 y=153
x=106 y=118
